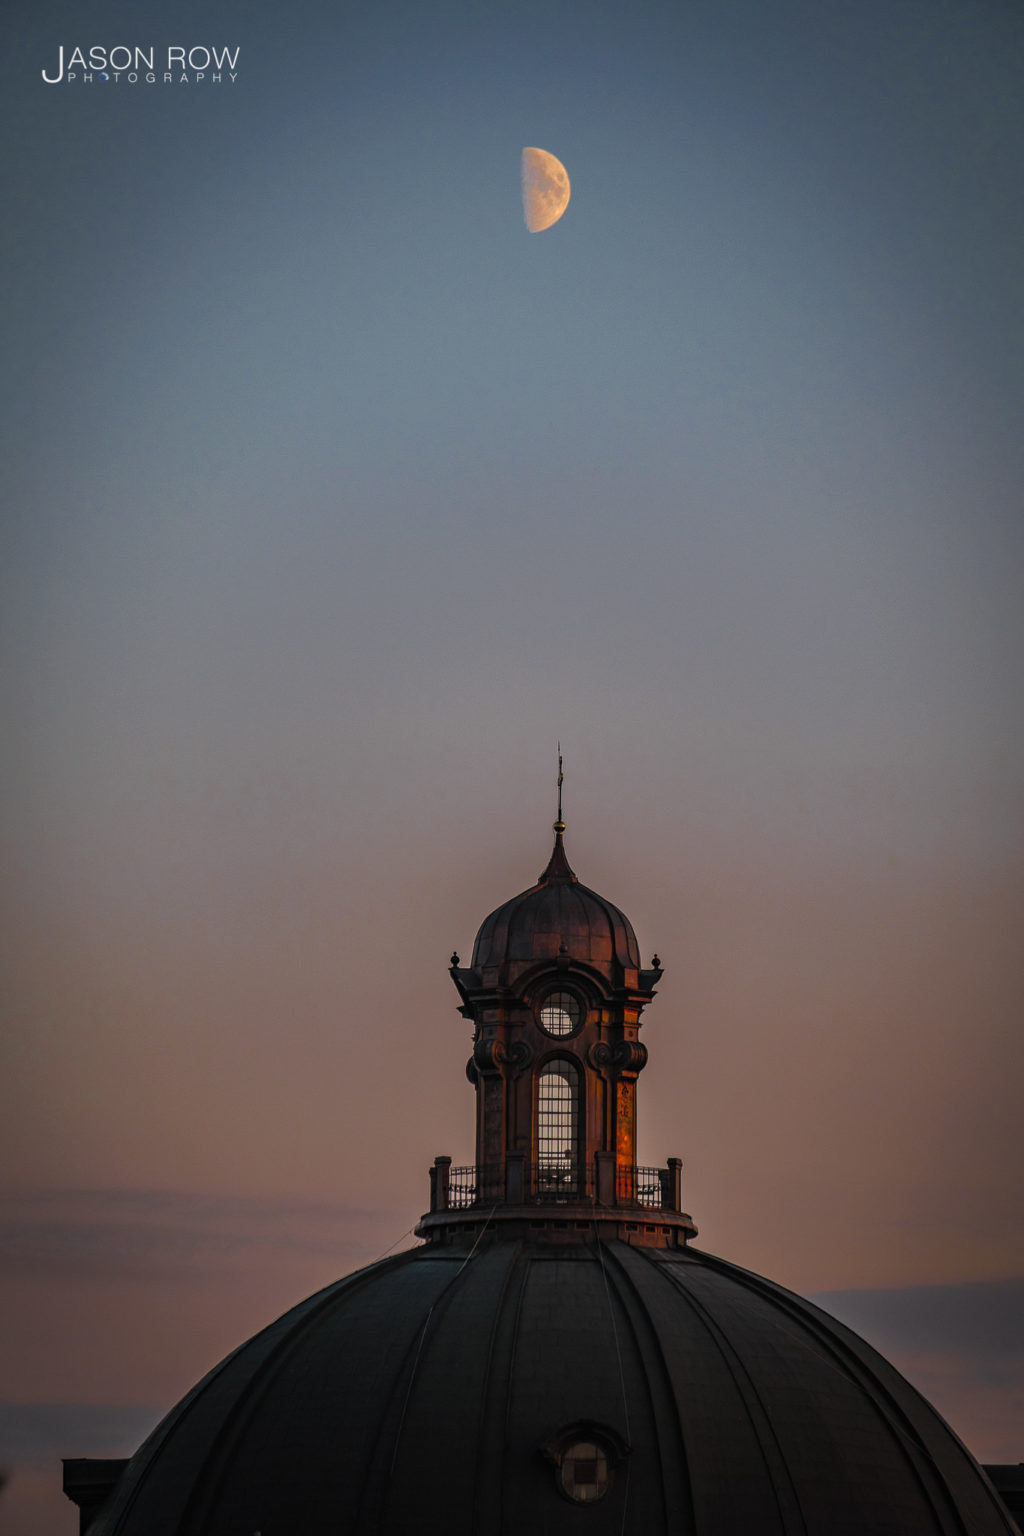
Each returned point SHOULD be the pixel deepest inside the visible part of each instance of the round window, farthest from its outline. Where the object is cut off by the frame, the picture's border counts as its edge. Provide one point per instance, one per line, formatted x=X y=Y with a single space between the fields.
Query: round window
x=560 y=1013
x=584 y=1471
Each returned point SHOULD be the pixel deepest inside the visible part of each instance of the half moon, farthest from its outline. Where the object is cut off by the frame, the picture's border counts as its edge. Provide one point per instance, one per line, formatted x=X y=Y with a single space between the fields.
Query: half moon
x=545 y=189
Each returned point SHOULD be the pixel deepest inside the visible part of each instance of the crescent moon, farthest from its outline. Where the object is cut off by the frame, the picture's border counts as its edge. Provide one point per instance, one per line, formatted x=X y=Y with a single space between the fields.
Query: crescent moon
x=545 y=189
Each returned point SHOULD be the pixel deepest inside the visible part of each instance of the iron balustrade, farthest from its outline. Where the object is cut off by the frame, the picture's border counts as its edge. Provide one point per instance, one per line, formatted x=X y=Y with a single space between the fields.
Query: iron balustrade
x=559 y=1182
x=553 y=1183
x=475 y=1186
x=643 y=1186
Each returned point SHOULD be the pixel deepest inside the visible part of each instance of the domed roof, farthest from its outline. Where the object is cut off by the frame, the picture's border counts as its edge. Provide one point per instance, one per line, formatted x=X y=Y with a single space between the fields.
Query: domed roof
x=433 y=1390
x=557 y=916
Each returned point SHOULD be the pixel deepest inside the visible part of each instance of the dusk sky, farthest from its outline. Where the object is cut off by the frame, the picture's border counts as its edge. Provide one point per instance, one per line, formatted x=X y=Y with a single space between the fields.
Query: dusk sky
x=334 y=499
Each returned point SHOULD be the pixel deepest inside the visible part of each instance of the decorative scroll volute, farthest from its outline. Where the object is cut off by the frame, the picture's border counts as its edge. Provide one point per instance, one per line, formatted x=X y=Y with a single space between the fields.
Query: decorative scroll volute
x=519 y=1056
x=628 y=1056
x=494 y=1056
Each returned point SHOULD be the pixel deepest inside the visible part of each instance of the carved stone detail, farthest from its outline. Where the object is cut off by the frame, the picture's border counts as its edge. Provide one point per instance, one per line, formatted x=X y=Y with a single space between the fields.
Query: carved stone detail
x=519 y=1055
x=493 y=1055
x=626 y=1056
x=488 y=1055
x=630 y=1056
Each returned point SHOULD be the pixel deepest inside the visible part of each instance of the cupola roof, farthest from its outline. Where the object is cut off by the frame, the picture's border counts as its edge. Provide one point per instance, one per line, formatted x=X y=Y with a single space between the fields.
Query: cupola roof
x=559 y=916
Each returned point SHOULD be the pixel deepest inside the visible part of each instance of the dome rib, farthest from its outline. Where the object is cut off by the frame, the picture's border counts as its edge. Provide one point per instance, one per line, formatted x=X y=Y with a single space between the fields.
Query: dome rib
x=197 y=1408
x=564 y=1372
x=208 y=1488
x=381 y=1504
x=737 y=1417
x=677 y=1490
x=182 y=1490
x=897 y=1404
x=494 y=1393
x=865 y=1387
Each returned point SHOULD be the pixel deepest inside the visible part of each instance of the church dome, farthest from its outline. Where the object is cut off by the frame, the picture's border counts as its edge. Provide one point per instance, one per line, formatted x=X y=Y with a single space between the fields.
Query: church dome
x=557 y=916
x=556 y=1357
x=502 y=1385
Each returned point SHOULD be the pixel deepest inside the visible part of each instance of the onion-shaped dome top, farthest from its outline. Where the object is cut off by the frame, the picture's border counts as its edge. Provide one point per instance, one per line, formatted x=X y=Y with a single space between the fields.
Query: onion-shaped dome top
x=557 y=916
x=499 y=1390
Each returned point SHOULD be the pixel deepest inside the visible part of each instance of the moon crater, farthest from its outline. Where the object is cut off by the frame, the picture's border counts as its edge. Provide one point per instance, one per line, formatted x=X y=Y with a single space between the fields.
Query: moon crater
x=545 y=189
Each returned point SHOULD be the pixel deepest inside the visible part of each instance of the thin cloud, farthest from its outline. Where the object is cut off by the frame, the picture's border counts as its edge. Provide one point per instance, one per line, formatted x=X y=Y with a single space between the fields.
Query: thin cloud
x=978 y=1318
x=33 y=1434
x=131 y=1233
x=962 y=1346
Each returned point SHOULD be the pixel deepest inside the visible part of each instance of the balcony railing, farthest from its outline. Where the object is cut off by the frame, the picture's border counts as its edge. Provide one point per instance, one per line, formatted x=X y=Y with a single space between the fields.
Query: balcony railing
x=475 y=1186
x=544 y=1183
x=644 y=1186
x=520 y=1183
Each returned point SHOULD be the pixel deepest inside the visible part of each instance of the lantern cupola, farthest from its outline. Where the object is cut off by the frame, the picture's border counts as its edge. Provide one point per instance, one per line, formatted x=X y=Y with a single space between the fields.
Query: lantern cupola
x=555 y=991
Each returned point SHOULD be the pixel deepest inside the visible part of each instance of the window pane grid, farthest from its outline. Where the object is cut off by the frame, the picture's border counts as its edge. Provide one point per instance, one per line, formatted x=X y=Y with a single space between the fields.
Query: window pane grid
x=557 y=1116
x=585 y=1472
x=560 y=1013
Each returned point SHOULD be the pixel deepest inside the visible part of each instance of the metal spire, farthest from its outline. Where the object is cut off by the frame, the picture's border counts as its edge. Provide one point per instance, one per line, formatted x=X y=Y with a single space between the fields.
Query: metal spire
x=560 y=824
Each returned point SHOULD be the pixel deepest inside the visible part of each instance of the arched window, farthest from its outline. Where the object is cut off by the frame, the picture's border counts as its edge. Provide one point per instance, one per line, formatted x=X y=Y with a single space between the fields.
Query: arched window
x=558 y=1096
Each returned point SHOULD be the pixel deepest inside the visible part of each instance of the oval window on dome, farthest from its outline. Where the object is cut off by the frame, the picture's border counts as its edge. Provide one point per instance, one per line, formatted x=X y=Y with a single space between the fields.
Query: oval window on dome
x=584 y=1471
x=585 y=1455
x=561 y=1013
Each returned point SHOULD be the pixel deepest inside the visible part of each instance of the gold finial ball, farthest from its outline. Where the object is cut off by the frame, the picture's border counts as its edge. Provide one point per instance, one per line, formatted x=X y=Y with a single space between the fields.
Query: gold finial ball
x=559 y=826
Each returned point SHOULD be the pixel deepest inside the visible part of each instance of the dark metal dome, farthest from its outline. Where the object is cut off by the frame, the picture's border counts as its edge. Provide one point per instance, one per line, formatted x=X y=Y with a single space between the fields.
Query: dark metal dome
x=556 y=1358
x=438 y=1390
x=556 y=916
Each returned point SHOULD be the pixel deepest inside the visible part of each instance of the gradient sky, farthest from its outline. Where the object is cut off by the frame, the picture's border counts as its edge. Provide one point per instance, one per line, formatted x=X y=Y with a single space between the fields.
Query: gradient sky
x=334 y=498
